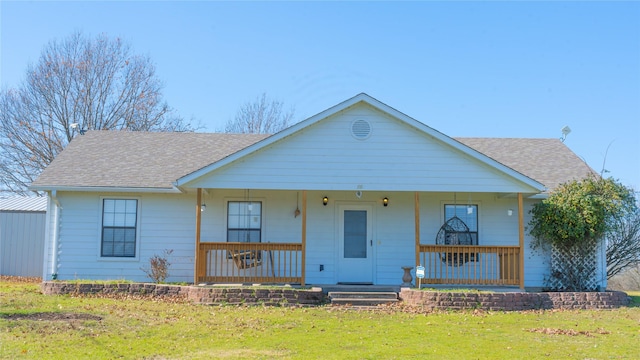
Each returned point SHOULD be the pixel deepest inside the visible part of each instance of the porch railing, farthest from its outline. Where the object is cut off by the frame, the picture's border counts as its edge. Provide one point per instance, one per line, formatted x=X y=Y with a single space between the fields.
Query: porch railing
x=250 y=262
x=475 y=265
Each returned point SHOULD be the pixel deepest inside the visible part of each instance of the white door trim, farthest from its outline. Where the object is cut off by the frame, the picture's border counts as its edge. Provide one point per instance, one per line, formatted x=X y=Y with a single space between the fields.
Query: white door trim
x=355 y=270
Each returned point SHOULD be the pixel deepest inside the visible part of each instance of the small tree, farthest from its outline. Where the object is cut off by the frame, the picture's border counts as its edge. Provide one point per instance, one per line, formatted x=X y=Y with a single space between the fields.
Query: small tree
x=262 y=116
x=572 y=221
x=623 y=243
x=158 y=270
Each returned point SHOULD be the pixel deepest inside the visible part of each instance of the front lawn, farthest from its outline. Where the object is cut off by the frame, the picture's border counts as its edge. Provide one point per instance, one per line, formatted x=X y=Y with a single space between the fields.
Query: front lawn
x=64 y=327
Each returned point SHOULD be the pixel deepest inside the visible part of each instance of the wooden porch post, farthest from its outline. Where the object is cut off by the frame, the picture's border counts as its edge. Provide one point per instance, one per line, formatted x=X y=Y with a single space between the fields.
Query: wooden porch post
x=417 y=225
x=196 y=270
x=521 y=238
x=304 y=236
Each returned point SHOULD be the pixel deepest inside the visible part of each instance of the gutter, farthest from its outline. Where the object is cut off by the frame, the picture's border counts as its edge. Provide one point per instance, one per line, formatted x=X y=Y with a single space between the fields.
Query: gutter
x=111 y=189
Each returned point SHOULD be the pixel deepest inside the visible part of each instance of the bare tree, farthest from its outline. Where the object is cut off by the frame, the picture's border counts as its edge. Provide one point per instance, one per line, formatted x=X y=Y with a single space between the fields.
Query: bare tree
x=78 y=84
x=262 y=116
x=623 y=243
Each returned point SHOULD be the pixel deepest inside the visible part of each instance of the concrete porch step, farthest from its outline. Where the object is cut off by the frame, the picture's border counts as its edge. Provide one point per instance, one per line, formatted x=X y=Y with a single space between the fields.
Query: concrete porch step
x=362 y=299
x=359 y=288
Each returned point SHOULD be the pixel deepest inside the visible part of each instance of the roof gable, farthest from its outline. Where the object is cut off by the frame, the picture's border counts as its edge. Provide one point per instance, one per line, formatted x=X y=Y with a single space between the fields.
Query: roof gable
x=358 y=100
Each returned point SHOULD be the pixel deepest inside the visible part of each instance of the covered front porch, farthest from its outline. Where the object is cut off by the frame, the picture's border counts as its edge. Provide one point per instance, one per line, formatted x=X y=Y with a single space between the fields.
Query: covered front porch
x=290 y=262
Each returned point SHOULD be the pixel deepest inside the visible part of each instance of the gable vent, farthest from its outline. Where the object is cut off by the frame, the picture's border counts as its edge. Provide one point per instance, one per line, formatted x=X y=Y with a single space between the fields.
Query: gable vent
x=361 y=129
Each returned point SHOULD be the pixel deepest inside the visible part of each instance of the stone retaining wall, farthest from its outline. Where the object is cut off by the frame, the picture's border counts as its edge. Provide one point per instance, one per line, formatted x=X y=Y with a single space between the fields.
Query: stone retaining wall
x=514 y=301
x=432 y=300
x=195 y=294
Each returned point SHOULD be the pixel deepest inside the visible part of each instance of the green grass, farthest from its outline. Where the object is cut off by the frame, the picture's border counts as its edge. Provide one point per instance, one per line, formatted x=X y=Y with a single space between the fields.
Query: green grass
x=63 y=327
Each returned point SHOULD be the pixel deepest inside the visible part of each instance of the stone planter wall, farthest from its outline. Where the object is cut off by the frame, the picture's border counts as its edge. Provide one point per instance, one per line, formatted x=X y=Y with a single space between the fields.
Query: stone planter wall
x=195 y=294
x=432 y=300
x=514 y=301
x=257 y=296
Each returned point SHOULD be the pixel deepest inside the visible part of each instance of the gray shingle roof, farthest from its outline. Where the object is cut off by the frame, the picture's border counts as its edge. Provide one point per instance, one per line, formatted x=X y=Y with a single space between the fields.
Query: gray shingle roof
x=548 y=161
x=138 y=159
x=122 y=159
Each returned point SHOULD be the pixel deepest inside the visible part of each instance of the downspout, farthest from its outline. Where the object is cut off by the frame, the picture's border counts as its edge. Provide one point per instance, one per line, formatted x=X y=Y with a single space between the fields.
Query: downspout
x=54 y=247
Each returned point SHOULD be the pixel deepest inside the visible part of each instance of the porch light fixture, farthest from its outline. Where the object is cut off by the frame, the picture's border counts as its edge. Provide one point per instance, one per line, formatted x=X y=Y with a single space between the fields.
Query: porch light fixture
x=385 y=202
x=203 y=207
x=510 y=212
x=325 y=201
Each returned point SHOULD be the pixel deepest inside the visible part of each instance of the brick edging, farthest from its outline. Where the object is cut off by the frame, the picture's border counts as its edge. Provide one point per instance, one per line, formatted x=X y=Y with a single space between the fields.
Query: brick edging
x=514 y=301
x=194 y=294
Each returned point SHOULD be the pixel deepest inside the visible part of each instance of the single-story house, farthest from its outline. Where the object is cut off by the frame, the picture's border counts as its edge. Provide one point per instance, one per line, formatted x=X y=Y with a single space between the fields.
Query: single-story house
x=22 y=235
x=350 y=195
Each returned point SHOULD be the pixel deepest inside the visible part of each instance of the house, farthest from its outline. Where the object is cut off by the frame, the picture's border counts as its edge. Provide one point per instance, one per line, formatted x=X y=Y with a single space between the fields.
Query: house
x=22 y=235
x=350 y=195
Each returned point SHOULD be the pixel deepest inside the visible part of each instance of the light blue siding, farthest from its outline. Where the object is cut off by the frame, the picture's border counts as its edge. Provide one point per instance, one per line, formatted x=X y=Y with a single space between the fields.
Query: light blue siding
x=396 y=157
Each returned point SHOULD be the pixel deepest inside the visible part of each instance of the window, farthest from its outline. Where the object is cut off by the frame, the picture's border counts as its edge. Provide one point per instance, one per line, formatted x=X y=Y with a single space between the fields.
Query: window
x=244 y=221
x=119 y=222
x=468 y=214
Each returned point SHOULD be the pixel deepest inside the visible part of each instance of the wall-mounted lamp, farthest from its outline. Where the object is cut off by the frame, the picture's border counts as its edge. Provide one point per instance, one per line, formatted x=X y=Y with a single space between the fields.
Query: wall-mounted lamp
x=325 y=201
x=203 y=207
x=385 y=202
x=509 y=212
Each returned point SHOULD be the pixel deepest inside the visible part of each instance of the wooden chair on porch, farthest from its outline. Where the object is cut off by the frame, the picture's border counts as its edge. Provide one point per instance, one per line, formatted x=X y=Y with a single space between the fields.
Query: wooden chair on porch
x=246 y=258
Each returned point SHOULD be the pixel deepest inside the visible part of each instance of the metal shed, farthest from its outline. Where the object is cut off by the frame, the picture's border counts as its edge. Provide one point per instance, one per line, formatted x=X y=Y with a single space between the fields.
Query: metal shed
x=22 y=234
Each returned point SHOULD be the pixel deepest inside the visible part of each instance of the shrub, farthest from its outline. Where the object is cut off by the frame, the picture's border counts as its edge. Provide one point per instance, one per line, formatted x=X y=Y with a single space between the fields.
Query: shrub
x=158 y=269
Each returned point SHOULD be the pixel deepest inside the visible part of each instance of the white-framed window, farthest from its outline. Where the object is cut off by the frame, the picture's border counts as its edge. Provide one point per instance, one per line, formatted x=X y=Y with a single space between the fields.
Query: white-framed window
x=119 y=227
x=244 y=221
x=468 y=214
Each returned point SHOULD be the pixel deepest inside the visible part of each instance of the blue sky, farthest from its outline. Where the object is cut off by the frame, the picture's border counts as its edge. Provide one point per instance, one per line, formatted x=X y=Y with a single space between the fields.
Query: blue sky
x=485 y=69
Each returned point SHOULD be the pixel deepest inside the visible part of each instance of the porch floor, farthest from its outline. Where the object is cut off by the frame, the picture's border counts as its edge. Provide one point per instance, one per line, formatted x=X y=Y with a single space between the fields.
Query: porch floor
x=488 y=288
x=378 y=288
x=359 y=288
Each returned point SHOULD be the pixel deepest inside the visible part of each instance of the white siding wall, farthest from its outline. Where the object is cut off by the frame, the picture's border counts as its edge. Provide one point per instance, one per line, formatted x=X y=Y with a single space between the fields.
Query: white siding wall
x=325 y=156
x=168 y=222
x=165 y=222
x=22 y=235
x=394 y=235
